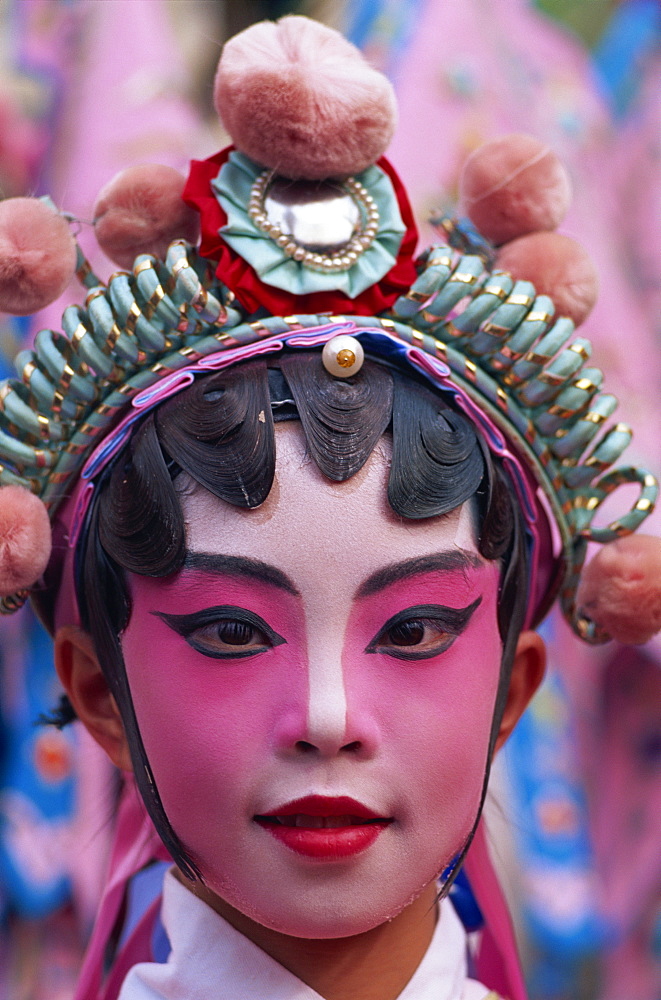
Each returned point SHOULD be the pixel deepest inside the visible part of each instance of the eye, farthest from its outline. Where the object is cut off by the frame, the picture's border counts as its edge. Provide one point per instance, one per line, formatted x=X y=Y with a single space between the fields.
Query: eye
x=224 y=632
x=410 y=633
x=421 y=632
x=228 y=637
x=415 y=638
x=236 y=633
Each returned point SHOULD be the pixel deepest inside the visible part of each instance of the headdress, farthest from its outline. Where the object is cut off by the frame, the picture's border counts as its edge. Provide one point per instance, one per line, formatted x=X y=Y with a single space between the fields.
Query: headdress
x=297 y=250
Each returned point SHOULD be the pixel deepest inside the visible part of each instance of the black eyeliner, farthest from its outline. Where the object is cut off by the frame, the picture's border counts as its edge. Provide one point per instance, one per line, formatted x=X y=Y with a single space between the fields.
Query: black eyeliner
x=451 y=620
x=186 y=625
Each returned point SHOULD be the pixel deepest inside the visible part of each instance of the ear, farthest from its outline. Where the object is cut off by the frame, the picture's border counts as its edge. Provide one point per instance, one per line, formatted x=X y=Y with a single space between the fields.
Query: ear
x=82 y=678
x=527 y=675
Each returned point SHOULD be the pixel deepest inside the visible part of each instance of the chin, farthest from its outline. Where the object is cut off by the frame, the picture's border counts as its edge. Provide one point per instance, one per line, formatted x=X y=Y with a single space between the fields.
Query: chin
x=322 y=911
x=326 y=923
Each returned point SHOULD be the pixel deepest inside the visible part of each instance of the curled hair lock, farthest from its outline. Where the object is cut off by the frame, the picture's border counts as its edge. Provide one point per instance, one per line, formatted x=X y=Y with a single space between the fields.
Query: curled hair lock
x=221 y=433
x=342 y=418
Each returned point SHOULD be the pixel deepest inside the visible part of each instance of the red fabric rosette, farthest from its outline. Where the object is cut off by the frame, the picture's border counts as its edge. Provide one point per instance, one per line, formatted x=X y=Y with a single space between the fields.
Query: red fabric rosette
x=253 y=293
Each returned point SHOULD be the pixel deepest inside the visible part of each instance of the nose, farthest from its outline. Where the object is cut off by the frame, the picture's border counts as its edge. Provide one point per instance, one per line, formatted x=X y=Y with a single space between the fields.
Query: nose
x=331 y=722
x=326 y=729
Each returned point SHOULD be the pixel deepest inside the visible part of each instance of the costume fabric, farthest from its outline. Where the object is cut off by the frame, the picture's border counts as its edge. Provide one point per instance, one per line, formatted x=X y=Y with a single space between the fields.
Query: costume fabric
x=211 y=960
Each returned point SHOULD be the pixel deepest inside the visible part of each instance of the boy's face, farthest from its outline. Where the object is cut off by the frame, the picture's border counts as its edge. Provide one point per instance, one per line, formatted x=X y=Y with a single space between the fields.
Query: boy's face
x=315 y=692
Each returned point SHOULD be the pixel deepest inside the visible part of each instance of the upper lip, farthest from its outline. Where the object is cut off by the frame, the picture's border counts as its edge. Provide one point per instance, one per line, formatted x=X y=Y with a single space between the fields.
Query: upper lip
x=325 y=805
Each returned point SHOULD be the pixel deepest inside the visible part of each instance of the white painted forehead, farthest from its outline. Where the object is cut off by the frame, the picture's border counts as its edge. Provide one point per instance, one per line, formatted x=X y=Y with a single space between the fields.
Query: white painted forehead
x=303 y=501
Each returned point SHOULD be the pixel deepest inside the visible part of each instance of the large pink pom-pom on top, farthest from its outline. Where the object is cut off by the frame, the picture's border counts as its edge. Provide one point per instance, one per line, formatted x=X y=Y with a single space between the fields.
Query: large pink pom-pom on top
x=620 y=589
x=37 y=255
x=514 y=185
x=25 y=539
x=299 y=98
x=141 y=211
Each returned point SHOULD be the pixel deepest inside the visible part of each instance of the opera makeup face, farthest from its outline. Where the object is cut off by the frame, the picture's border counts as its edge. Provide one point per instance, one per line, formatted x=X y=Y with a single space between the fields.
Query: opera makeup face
x=315 y=692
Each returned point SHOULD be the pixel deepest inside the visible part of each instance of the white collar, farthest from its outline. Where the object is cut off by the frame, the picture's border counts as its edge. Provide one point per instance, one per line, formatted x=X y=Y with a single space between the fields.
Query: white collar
x=211 y=960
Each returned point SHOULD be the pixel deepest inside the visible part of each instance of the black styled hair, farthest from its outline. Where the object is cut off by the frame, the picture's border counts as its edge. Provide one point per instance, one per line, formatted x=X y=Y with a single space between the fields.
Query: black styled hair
x=220 y=431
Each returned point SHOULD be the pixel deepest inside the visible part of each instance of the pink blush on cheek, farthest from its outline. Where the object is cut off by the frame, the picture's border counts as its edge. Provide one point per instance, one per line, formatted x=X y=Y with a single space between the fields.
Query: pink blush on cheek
x=434 y=714
x=208 y=724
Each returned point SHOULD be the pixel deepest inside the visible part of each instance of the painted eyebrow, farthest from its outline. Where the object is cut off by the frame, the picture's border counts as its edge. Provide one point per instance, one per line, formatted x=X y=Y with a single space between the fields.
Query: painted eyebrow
x=255 y=569
x=444 y=562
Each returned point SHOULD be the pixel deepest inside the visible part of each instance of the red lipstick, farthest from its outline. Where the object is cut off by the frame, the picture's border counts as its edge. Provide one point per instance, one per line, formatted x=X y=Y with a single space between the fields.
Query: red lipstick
x=319 y=826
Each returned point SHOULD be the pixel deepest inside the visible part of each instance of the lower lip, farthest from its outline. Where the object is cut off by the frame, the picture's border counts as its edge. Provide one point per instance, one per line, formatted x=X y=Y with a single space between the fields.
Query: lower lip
x=329 y=842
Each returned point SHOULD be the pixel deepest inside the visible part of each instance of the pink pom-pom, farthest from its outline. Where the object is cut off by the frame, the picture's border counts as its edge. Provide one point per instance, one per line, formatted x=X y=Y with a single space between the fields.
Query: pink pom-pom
x=37 y=255
x=25 y=539
x=299 y=98
x=557 y=266
x=621 y=589
x=512 y=186
x=141 y=211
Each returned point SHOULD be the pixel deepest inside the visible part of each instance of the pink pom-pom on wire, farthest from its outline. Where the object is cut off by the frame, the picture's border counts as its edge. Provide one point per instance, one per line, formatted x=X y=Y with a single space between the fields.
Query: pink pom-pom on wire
x=141 y=211
x=621 y=589
x=25 y=539
x=557 y=266
x=514 y=185
x=299 y=98
x=37 y=255
x=516 y=191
